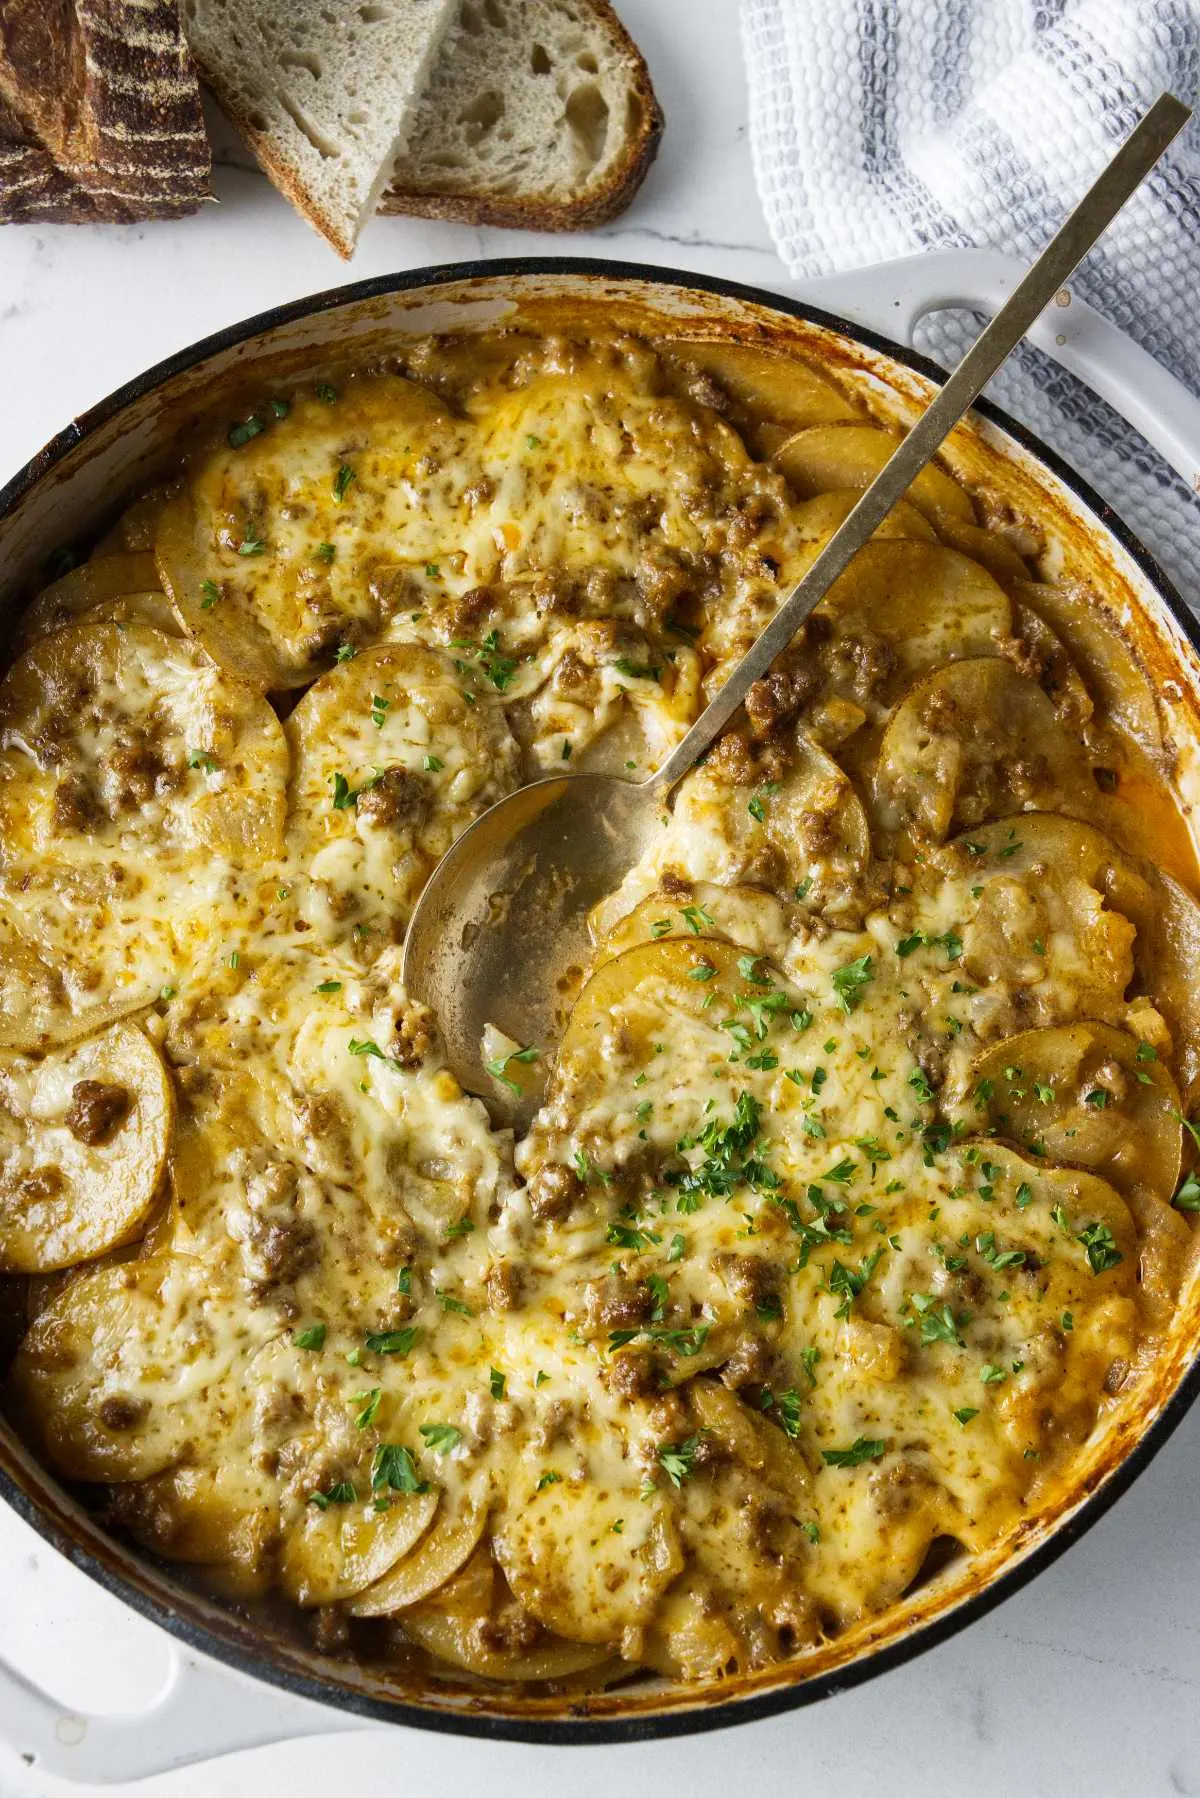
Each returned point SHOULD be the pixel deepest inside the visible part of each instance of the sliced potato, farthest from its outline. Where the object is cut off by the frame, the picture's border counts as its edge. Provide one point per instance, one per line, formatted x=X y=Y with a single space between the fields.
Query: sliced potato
x=1051 y=1214
x=769 y=394
x=1081 y=1093
x=125 y=585
x=125 y=1371
x=335 y=1553
x=1022 y=1192
x=851 y=455
x=808 y=829
x=739 y=914
x=654 y=978
x=272 y=555
x=224 y=1516
x=616 y=1098
x=1044 y=659
x=900 y=609
x=1110 y=666
x=758 y=1446
x=600 y=451
x=988 y=548
x=690 y=1638
x=572 y=1571
x=391 y=763
x=1058 y=912
x=83 y=1143
x=133 y=531
x=818 y=517
x=973 y=741
x=451 y=1541
x=122 y=737
x=1066 y=869
x=43 y=1005
x=1168 y=955
x=449 y=1626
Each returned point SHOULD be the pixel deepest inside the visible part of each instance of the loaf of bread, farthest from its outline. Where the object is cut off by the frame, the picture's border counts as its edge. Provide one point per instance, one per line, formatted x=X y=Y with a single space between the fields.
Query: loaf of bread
x=100 y=115
x=538 y=113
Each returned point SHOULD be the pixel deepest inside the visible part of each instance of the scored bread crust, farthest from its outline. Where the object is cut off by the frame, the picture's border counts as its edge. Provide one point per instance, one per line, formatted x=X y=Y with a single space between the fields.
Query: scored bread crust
x=100 y=114
x=595 y=205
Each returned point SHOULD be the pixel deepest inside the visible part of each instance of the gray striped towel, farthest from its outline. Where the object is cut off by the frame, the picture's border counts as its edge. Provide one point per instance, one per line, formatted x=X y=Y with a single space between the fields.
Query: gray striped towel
x=884 y=127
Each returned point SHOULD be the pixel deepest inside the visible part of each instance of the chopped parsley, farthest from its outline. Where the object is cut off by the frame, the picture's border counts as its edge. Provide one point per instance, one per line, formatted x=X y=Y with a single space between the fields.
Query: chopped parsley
x=364 y=1046
x=1188 y=1196
x=937 y=1323
x=848 y=982
x=498 y=1068
x=442 y=1438
x=863 y=1448
x=678 y=1459
x=242 y=433
x=393 y=1342
x=787 y=1406
x=496 y=667
x=1102 y=1251
x=846 y=1283
x=343 y=1493
x=393 y=1468
x=370 y=1406
x=312 y=1338
x=449 y=1303
x=342 y=481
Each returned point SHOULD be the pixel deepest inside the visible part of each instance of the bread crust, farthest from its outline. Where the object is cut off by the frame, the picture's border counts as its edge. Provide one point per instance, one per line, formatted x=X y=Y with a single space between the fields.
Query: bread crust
x=100 y=114
x=592 y=208
x=279 y=171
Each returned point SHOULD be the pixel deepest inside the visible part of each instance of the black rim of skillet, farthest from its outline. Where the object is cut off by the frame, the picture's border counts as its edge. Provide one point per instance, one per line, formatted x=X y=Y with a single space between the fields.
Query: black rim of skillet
x=579 y=1729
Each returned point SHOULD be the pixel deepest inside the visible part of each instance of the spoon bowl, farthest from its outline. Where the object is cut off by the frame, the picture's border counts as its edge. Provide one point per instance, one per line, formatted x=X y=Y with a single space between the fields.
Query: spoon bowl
x=500 y=936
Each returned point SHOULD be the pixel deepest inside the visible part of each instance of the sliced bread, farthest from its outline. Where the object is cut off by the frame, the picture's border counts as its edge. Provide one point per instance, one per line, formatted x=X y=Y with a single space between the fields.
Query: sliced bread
x=537 y=113
x=100 y=115
x=322 y=91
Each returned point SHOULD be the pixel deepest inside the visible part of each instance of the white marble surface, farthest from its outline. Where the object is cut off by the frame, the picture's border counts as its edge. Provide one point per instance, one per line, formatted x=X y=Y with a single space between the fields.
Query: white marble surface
x=1088 y=1682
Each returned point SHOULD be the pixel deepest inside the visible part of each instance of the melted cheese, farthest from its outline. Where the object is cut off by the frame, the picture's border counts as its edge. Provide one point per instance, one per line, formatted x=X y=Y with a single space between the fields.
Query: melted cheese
x=765 y=1302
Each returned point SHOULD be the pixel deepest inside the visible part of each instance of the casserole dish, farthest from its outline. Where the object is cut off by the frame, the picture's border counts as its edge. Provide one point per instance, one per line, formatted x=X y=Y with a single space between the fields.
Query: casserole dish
x=122 y=444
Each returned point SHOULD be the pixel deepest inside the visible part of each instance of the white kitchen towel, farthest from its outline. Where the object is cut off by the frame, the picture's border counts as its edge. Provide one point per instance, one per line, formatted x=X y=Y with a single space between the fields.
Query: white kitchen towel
x=884 y=127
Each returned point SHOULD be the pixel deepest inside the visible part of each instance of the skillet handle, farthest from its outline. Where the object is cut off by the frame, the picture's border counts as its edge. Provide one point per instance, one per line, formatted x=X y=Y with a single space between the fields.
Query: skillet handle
x=203 y=1711
x=891 y=296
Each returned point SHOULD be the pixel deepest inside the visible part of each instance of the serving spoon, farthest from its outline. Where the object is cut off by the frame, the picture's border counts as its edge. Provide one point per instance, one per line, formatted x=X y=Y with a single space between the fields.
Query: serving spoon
x=500 y=935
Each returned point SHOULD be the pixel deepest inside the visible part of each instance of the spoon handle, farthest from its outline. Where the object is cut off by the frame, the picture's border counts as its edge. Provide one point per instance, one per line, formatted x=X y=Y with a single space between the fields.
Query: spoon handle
x=1062 y=255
